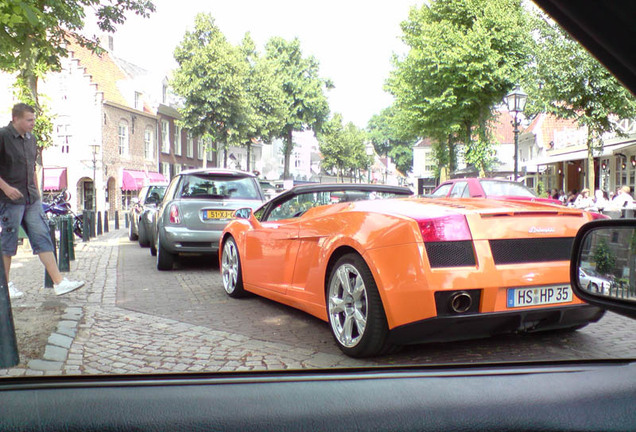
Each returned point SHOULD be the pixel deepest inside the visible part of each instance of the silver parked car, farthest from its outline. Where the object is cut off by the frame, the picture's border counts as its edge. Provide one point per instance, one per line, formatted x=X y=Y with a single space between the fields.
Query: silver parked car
x=195 y=209
x=141 y=213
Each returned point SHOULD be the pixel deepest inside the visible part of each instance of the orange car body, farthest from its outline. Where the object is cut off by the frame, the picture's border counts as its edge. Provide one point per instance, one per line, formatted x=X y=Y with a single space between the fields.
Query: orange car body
x=289 y=260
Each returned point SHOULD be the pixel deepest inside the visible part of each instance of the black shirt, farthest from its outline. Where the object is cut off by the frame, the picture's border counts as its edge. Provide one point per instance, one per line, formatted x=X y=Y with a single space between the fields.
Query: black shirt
x=17 y=164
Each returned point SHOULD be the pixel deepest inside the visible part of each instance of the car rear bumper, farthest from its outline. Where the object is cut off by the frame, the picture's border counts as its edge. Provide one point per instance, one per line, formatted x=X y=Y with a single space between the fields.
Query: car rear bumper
x=473 y=326
x=184 y=240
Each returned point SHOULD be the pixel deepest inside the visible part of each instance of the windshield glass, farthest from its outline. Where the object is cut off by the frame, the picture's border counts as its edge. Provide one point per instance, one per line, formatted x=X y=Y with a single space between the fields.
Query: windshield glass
x=499 y=188
x=233 y=271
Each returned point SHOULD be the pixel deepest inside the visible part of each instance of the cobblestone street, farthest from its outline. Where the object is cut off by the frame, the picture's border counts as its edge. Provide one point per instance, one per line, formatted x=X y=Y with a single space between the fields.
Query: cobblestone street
x=131 y=318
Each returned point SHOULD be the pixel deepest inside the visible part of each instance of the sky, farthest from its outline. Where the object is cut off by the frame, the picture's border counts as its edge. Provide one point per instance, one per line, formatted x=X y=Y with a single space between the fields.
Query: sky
x=353 y=40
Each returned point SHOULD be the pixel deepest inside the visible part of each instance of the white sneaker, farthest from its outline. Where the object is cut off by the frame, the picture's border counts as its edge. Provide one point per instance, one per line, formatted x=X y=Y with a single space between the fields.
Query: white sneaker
x=14 y=293
x=66 y=286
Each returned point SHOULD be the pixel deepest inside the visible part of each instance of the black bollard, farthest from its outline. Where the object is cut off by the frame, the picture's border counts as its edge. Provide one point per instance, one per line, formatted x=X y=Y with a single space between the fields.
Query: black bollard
x=86 y=234
x=8 y=343
x=71 y=237
x=117 y=220
x=48 y=282
x=93 y=222
x=99 y=223
x=126 y=218
x=105 y=221
x=63 y=261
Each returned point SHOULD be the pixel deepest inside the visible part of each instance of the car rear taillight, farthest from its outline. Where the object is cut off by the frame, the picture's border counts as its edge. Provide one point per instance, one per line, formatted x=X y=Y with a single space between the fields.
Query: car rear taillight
x=175 y=218
x=445 y=228
x=596 y=216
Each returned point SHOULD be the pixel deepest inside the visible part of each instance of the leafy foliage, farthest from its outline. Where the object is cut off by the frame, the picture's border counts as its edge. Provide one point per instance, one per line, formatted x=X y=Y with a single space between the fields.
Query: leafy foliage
x=604 y=258
x=390 y=138
x=34 y=35
x=342 y=147
x=464 y=57
x=567 y=81
x=305 y=103
x=211 y=79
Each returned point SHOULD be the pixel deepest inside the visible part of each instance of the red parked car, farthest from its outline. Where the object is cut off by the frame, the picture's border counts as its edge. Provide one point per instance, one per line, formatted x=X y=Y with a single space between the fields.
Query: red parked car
x=487 y=188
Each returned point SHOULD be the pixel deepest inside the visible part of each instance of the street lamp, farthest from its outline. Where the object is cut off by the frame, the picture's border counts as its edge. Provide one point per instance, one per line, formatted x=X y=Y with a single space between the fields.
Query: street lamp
x=516 y=101
x=95 y=151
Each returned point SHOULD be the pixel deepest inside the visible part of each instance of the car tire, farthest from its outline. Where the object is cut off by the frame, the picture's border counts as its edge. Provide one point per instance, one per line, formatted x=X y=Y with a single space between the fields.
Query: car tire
x=231 y=271
x=132 y=236
x=153 y=249
x=366 y=335
x=142 y=236
x=165 y=259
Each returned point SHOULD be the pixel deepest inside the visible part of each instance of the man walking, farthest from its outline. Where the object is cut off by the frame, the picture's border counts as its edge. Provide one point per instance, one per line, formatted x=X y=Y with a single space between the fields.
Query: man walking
x=20 y=203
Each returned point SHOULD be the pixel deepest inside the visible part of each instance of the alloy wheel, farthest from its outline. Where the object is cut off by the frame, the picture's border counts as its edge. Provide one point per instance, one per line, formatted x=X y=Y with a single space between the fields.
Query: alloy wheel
x=348 y=305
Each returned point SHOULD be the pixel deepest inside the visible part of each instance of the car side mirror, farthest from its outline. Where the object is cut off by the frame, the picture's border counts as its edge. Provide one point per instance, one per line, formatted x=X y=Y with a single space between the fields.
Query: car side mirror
x=243 y=213
x=603 y=265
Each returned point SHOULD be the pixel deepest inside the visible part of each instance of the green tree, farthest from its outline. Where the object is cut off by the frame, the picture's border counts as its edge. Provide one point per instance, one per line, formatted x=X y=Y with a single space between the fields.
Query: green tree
x=265 y=98
x=604 y=258
x=390 y=138
x=34 y=36
x=464 y=56
x=569 y=83
x=305 y=102
x=342 y=147
x=211 y=78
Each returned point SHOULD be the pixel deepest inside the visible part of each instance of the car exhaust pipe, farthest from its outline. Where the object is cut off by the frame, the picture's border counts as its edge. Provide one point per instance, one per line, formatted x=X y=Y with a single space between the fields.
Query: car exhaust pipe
x=460 y=302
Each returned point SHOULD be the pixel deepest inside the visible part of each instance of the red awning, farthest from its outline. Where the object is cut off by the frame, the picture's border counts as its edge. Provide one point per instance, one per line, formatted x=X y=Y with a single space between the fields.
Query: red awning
x=135 y=180
x=54 y=179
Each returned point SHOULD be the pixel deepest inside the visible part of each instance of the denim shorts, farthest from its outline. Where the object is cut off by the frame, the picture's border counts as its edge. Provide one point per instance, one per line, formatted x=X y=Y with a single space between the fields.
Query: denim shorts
x=34 y=222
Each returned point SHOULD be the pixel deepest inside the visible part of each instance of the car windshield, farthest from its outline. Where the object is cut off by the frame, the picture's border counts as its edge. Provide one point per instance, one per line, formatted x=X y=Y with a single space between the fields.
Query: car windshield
x=298 y=204
x=250 y=111
x=500 y=188
x=218 y=187
x=155 y=193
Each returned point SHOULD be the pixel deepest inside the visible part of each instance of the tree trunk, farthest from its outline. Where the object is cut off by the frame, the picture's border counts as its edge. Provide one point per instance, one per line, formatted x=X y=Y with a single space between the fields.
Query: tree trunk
x=288 y=147
x=249 y=150
x=590 y=161
x=452 y=160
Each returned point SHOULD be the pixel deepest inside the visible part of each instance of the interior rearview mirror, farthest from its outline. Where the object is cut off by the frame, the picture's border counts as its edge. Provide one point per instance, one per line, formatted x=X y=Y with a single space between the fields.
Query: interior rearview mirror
x=603 y=265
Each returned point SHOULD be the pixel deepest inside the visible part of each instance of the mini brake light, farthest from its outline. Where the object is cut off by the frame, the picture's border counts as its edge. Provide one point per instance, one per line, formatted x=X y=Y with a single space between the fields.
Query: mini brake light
x=175 y=218
x=445 y=228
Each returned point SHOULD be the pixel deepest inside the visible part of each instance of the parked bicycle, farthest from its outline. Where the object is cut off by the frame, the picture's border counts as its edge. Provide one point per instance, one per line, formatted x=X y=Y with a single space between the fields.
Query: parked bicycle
x=59 y=206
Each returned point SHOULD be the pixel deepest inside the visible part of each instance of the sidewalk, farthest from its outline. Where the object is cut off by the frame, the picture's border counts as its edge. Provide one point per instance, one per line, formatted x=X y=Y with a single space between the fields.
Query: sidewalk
x=91 y=335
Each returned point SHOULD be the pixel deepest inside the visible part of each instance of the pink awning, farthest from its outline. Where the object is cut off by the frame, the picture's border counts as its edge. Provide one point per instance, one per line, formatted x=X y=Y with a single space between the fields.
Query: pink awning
x=156 y=177
x=135 y=180
x=54 y=179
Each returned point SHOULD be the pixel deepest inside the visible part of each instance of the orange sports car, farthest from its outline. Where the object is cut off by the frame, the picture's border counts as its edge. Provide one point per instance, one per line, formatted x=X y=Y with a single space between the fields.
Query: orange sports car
x=386 y=271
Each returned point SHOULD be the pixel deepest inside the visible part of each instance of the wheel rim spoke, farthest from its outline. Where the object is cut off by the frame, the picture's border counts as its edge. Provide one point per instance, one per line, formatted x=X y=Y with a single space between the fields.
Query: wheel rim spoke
x=347 y=330
x=337 y=305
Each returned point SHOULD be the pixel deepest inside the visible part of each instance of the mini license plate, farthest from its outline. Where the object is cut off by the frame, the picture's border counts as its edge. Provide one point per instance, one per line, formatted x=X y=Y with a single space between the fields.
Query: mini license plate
x=533 y=296
x=217 y=214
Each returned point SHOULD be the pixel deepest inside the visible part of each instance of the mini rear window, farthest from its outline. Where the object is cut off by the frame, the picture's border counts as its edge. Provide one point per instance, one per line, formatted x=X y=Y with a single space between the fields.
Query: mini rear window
x=218 y=187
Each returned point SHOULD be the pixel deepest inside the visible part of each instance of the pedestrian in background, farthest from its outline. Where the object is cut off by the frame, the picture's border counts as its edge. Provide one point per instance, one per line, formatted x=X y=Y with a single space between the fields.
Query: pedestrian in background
x=601 y=199
x=623 y=198
x=20 y=203
x=584 y=200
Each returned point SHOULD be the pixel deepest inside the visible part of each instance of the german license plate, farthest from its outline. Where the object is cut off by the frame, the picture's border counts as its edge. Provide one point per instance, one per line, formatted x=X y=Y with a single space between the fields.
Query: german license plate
x=217 y=214
x=533 y=296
